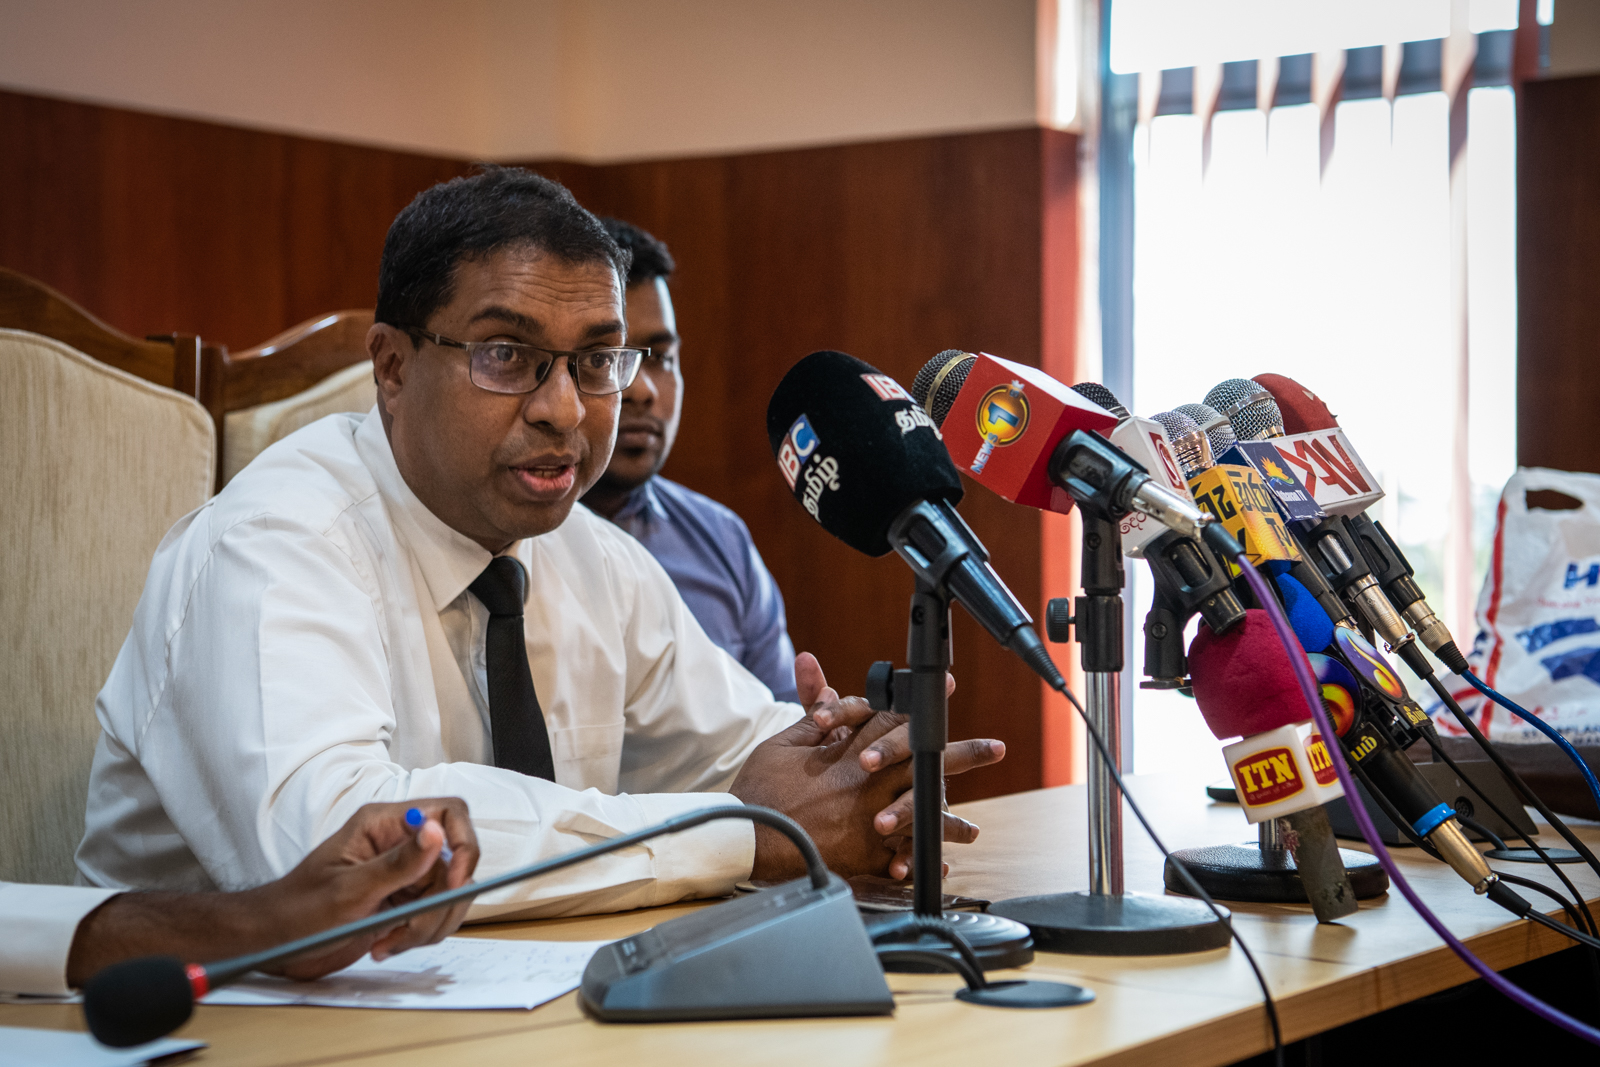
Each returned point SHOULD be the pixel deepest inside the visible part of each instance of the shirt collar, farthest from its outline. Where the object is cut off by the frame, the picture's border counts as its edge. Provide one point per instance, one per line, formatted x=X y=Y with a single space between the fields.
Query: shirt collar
x=641 y=500
x=449 y=560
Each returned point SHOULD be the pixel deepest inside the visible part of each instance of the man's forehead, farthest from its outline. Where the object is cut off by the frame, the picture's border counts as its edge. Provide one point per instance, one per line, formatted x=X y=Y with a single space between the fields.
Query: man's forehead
x=531 y=291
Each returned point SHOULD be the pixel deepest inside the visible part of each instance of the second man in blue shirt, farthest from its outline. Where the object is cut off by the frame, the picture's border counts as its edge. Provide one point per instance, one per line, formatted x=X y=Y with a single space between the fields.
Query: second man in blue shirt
x=703 y=546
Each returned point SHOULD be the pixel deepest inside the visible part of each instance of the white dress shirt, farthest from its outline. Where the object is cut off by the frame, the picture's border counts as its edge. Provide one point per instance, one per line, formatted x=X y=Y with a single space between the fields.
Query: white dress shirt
x=305 y=644
x=37 y=924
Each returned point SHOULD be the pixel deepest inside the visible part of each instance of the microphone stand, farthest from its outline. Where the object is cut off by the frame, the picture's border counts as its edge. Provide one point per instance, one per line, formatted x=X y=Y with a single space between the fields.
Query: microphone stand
x=1108 y=920
x=919 y=694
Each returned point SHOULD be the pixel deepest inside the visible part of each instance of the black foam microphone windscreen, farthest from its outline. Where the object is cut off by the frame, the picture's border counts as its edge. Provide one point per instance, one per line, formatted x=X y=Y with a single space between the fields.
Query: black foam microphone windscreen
x=855 y=448
x=136 y=1001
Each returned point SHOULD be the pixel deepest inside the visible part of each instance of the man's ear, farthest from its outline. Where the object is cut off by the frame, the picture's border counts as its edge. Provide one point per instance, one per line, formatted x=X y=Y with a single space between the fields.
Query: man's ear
x=389 y=349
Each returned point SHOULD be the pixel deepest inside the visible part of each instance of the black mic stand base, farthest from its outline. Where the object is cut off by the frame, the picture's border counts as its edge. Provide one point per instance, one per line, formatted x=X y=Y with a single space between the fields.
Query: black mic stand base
x=1247 y=872
x=998 y=943
x=1119 y=924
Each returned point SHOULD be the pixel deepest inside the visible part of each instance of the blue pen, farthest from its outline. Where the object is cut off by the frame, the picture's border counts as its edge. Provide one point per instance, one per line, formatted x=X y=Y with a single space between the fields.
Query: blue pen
x=415 y=819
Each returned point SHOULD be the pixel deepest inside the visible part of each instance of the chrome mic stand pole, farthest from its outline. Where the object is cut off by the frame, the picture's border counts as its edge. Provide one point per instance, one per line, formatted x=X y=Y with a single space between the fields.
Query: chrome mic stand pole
x=1107 y=920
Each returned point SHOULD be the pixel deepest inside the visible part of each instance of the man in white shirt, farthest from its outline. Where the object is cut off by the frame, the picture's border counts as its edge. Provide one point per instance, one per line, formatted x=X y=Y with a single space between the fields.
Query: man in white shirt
x=53 y=938
x=319 y=635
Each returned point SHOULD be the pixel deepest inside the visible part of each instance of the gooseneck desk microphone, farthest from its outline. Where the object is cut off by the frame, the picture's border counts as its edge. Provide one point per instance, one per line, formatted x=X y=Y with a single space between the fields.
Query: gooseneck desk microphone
x=716 y=963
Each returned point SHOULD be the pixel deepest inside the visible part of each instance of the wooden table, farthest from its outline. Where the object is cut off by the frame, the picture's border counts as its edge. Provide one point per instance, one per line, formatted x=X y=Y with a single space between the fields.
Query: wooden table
x=1200 y=1009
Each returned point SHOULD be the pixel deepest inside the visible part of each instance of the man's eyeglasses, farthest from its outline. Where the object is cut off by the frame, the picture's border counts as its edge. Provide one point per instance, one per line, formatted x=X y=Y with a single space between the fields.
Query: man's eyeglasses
x=508 y=367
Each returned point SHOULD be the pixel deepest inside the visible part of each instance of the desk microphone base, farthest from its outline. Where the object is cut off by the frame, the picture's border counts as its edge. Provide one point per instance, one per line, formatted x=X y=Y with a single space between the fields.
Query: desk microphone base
x=1246 y=872
x=1129 y=924
x=998 y=943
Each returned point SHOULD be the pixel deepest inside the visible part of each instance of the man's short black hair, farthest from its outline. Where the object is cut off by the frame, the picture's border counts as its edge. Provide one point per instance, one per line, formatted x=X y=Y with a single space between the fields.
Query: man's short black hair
x=651 y=260
x=477 y=216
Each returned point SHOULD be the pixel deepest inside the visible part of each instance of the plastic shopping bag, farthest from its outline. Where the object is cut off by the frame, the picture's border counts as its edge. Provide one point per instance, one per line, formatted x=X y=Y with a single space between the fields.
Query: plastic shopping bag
x=1538 y=615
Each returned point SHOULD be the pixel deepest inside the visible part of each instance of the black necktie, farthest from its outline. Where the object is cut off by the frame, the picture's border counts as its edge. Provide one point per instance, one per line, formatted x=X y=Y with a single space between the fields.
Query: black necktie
x=521 y=742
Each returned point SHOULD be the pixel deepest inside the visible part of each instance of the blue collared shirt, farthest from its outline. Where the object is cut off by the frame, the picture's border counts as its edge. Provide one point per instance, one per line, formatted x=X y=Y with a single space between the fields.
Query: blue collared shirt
x=707 y=552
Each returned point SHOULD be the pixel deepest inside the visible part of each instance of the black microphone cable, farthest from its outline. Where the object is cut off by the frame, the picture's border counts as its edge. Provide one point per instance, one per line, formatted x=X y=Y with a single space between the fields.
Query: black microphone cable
x=1555 y=868
x=1505 y=898
x=1512 y=776
x=1183 y=872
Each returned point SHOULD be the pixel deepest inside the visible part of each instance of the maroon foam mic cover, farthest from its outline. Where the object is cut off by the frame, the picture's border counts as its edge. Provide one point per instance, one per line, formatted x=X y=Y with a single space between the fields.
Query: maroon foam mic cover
x=1243 y=680
x=1303 y=410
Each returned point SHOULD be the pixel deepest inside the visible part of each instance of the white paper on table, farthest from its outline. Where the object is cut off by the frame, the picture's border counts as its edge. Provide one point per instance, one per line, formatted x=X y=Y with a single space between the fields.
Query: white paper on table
x=27 y=1047
x=457 y=973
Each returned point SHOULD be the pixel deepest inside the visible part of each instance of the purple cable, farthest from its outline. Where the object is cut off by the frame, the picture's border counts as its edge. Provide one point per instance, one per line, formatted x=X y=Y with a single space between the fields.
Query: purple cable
x=1310 y=690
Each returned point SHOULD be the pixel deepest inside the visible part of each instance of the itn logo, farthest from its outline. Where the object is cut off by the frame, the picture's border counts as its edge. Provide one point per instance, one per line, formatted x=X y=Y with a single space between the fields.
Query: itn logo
x=1591 y=577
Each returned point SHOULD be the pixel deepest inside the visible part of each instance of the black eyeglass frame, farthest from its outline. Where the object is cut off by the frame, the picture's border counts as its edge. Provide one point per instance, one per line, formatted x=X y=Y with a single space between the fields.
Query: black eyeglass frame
x=540 y=377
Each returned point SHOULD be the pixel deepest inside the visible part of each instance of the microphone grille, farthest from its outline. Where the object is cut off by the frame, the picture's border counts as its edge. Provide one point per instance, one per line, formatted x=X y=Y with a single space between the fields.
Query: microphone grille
x=1217 y=428
x=1096 y=393
x=1249 y=406
x=1190 y=443
x=1232 y=396
x=1259 y=421
x=942 y=377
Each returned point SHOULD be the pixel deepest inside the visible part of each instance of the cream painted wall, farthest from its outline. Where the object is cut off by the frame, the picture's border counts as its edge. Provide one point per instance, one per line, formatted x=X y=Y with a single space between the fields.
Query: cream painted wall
x=595 y=80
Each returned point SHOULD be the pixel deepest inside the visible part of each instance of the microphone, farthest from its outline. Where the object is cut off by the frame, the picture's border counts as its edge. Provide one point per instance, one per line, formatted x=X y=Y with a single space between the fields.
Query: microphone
x=1330 y=544
x=1281 y=769
x=871 y=467
x=1189 y=578
x=1330 y=471
x=1216 y=427
x=1059 y=457
x=1369 y=708
x=1304 y=412
x=1389 y=772
x=1249 y=407
x=1189 y=443
x=1301 y=410
x=140 y=1000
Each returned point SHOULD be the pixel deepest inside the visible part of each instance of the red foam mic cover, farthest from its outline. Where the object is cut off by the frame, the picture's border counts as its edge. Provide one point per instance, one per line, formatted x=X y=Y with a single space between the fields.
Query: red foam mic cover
x=1303 y=410
x=1243 y=680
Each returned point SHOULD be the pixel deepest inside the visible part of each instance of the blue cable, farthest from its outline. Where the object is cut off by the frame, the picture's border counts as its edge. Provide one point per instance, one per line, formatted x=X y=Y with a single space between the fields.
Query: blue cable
x=1543 y=727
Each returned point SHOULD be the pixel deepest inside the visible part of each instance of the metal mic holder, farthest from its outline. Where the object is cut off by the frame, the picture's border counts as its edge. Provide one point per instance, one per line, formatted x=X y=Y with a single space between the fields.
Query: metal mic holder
x=1108 y=920
x=919 y=694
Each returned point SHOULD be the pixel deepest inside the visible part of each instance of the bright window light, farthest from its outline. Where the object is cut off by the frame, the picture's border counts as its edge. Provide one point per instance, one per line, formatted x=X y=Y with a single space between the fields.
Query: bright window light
x=1162 y=34
x=1486 y=15
x=1342 y=282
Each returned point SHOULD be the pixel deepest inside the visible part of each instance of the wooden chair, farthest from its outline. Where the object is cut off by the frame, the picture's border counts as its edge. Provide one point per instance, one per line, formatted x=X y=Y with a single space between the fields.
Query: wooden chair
x=263 y=394
x=172 y=360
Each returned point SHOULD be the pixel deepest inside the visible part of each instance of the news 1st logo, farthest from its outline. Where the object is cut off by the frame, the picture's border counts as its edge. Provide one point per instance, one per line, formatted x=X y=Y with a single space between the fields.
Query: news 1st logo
x=798 y=445
x=1266 y=777
x=1320 y=759
x=1002 y=418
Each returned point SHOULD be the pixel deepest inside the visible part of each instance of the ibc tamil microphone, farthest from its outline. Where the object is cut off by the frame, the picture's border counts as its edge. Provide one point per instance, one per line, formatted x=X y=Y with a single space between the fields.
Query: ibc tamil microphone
x=1033 y=441
x=1305 y=413
x=871 y=467
x=1281 y=768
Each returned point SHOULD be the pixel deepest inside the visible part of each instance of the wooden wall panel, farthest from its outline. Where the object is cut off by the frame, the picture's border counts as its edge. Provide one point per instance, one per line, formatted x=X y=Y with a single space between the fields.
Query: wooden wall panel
x=158 y=224
x=1558 y=274
x=893 y=252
